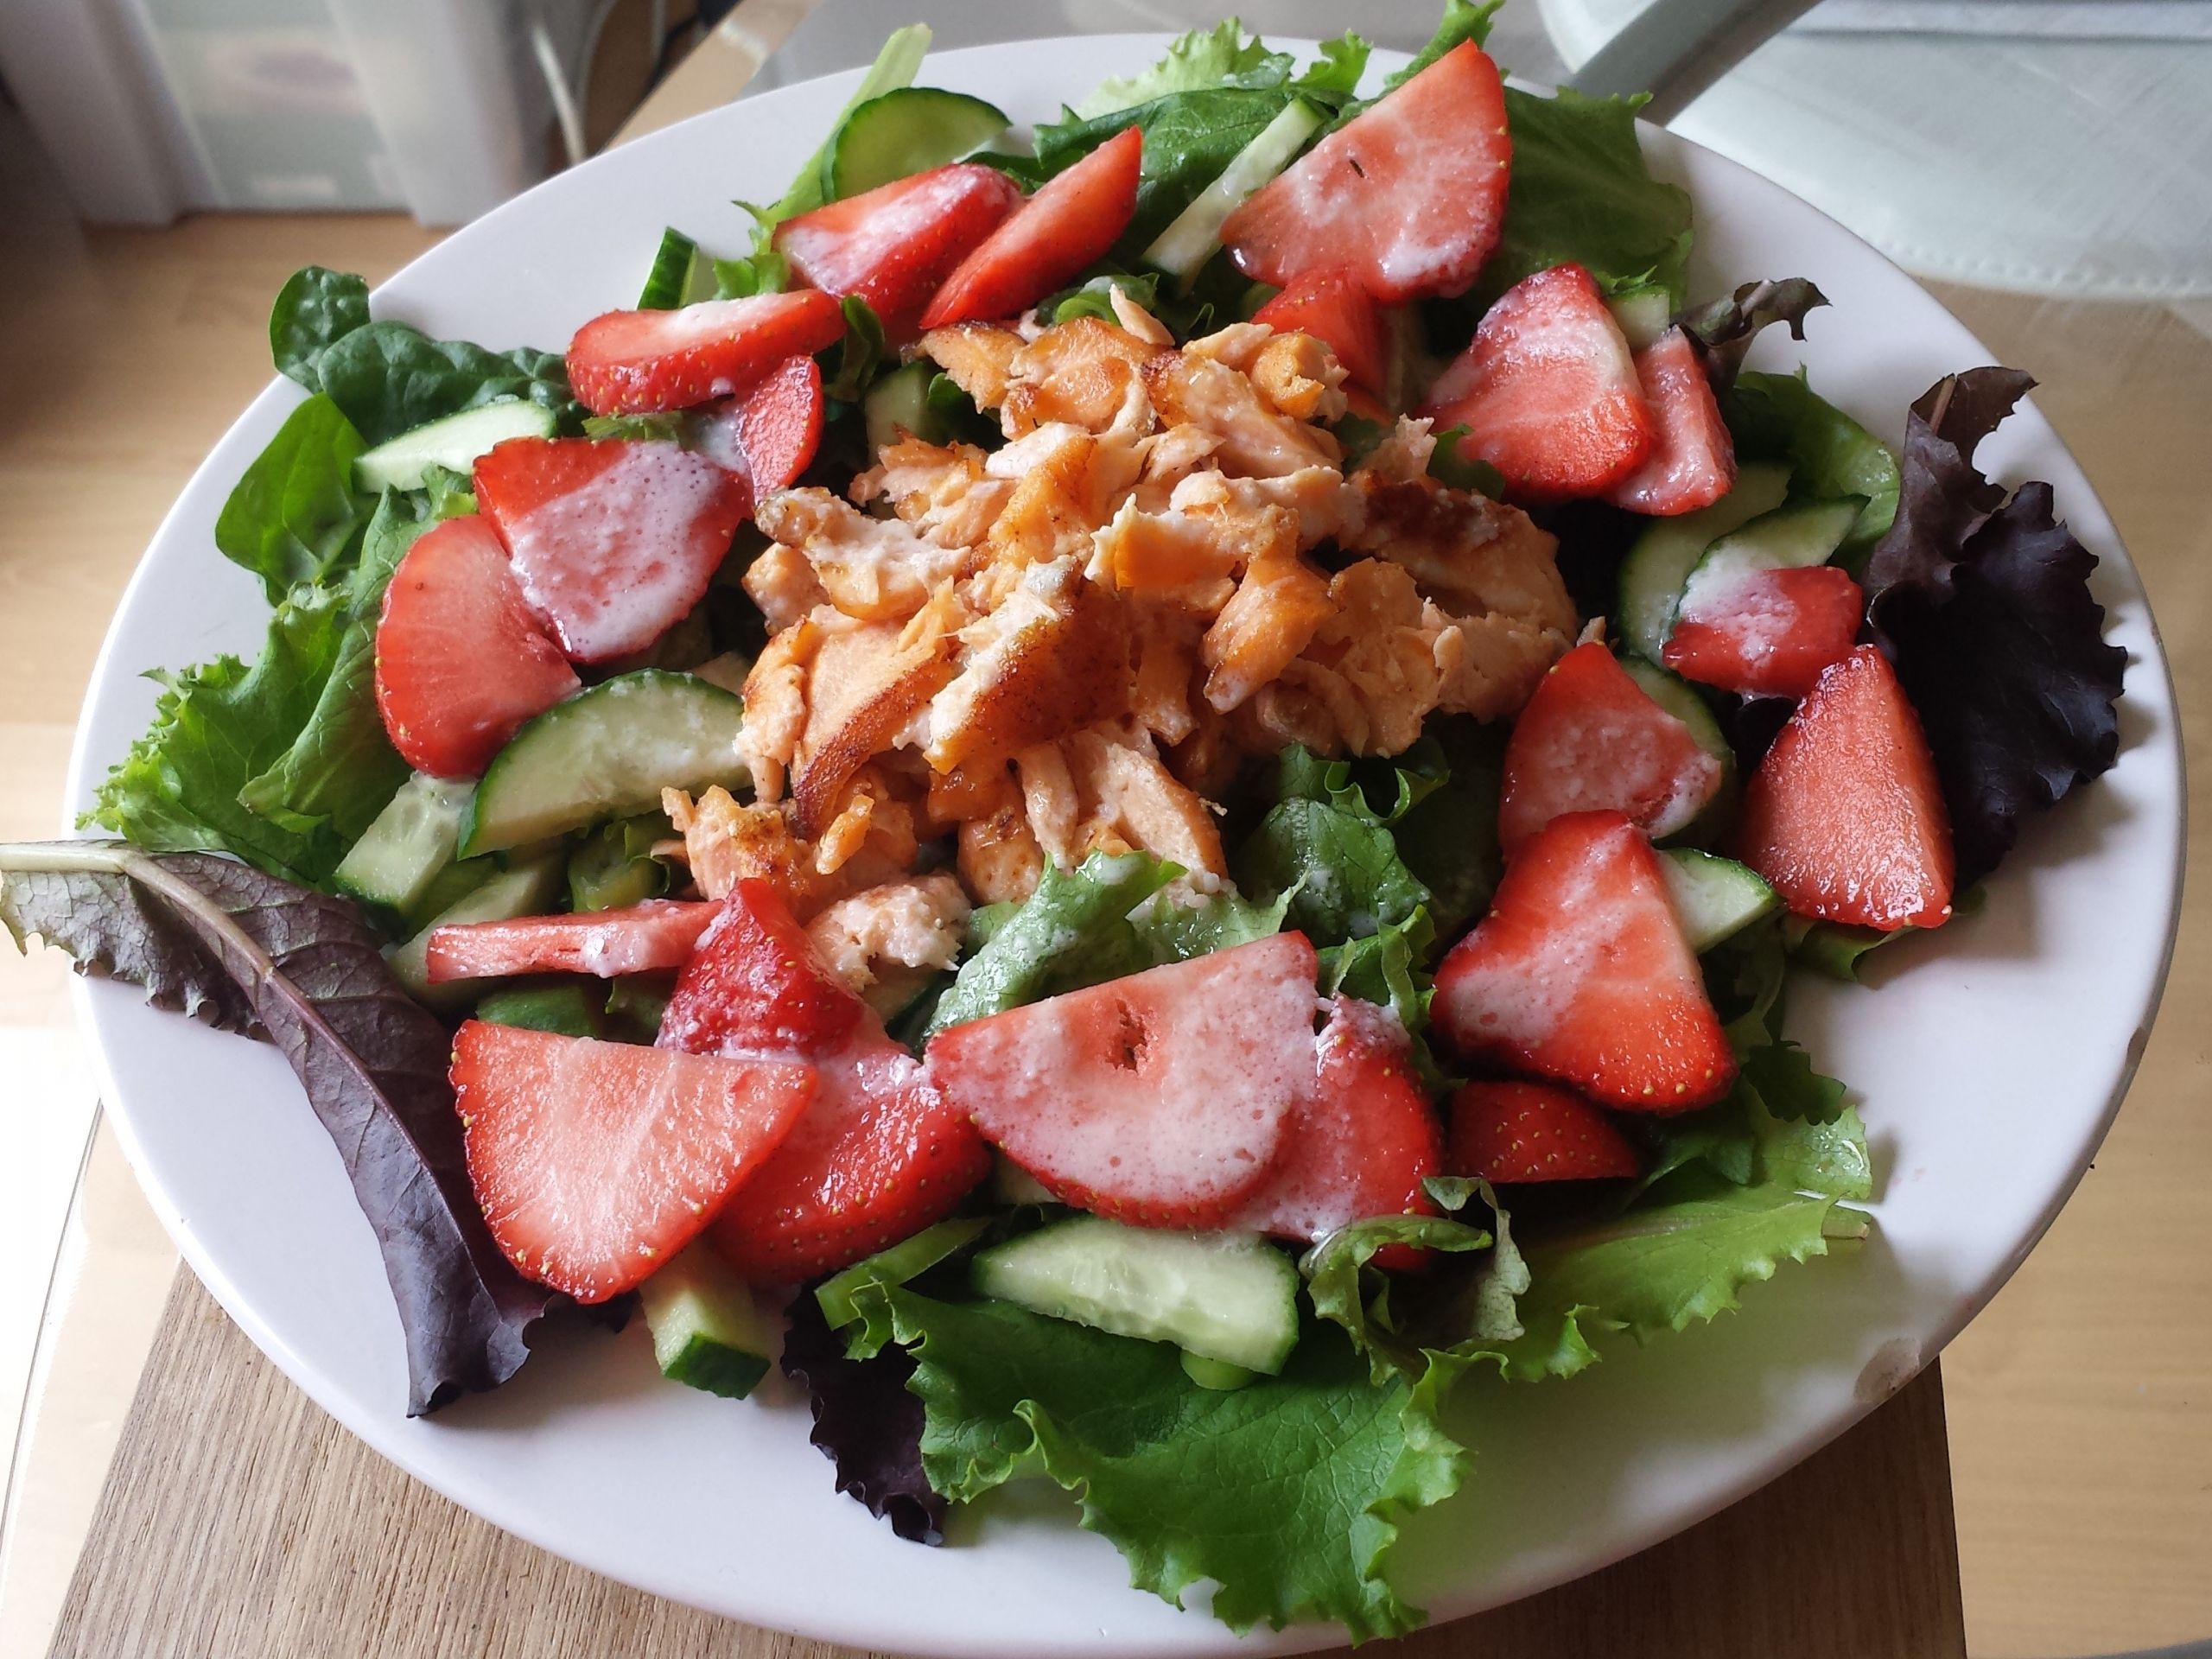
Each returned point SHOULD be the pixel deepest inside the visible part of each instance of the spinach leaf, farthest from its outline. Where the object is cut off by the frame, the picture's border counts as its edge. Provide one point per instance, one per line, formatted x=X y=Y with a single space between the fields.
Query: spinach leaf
x=294 y=516
x=1580 y=191
x=254 y=954
x=342 y=769
x=314 y=309
x=390 y=378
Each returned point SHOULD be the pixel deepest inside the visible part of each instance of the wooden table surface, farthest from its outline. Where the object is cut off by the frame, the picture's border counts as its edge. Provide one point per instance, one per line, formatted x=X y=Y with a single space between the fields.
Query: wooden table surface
x=238 y=1520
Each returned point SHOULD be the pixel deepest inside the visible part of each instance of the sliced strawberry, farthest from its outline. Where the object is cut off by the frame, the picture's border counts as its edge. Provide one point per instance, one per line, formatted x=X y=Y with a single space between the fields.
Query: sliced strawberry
x=894 y=245
x=1071 y=220
x=767 y=438
x=1160 y=1099
x=613 y=540
x=756 y=982
x=460 y=662
x=1410 y=193
x=1592 y=740
x=1361 y=1147
x=1507 y=1133
x=631 y=362
x=1580 y=973
x=596 y=1162
x=1549 y=391
x=1767 y=633
x=1328 y=302
x=878 y=1156
x=1693 y=459
x=638 y=939
x=1845 y=815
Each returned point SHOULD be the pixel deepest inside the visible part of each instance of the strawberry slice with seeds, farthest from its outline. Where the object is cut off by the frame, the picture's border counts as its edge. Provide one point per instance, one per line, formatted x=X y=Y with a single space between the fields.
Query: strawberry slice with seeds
x=1846 y=814
x=1549 y=391
x=894 y=246
x=634 y=362
x=460 y=663
x=1160 y=1100
x=878 y=1155
x=596 y=1162
x=644 y=938
x=1693 y=459
x=1510 y=1132
x=767 y=438
x=1070 y=221
x=756 y=982
x=1580 y=973
x=1592 y=740
x=613 y=540
x=1361 y=1147
x=1765 y=633
x=1329 y=303
x=1410 y=193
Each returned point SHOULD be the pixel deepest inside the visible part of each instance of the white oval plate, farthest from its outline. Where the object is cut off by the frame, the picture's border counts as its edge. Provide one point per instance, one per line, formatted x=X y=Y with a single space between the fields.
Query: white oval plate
x=1988 y=1066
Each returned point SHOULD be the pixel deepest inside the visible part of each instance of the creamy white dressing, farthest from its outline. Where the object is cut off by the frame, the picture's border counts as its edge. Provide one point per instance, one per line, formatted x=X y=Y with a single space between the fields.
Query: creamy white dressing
x=609 y=565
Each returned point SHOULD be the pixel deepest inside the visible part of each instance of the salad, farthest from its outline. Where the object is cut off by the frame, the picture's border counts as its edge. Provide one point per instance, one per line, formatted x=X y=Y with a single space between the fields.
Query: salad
x=1128 y=798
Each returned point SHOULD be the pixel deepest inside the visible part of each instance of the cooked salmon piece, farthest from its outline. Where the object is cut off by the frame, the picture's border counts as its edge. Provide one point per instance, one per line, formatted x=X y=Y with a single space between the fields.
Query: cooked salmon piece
x=1165 y=646
x=886 y=942
x=1491 y=664
x=943 y=493
x=1300 y=376
x=1080 y=372
x=865 y=685
x=976 y=357
x=783 y=584
x=1184 y=559
x=1325 y=503
x=1471 y=555
x=1131 y=802
x=1054 y=655
x=999 y=858
x=1256 y=439
x=872 y=568
x=1282 y=599
x=775 y=703
x=1066 y=491
x=726 y=842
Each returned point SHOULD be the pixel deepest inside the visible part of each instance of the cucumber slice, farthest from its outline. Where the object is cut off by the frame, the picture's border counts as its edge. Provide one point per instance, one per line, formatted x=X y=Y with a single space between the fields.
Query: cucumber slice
x=561 y=1010
x=901 y=401
x=708 y=1332
x=452 y=442
x=1716 y=898
x=637 y=1003
x=1793 y=537
x=910 y=1258
x=1658 y=566
x=907 y=130
x=406 y=845
x=1012 y=1184
x=1225 y=1296
x=1194 y=235
x=450 y=885
x=1680 y=698
x=1643 y=314
x=1215 y=1374
x=680 y=275
x=527 y=889
x=606 y=754
x=613 y=867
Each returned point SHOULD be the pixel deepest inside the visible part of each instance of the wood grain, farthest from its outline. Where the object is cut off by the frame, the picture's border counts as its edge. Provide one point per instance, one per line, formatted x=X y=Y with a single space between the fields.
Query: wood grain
x=242 y=1521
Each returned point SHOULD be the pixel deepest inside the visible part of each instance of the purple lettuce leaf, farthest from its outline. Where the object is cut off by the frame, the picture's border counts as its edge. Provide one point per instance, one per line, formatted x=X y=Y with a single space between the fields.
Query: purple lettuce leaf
x=1982 y=603
x=865 y=1422
x=251 y=952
